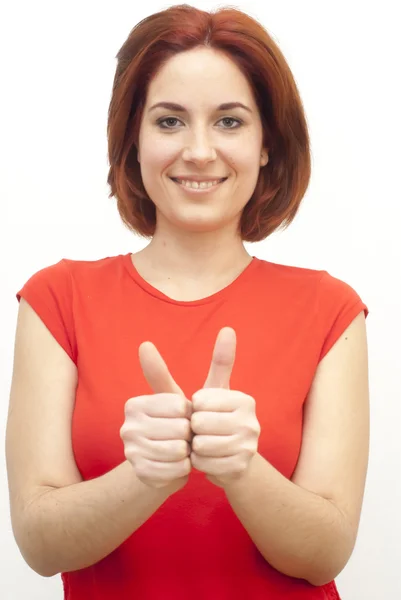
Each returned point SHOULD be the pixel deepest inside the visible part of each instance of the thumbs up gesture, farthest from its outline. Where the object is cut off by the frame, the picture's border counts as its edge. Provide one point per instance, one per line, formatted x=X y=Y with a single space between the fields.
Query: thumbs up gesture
x=157 y=427
x=165 y=434
x=224 y=423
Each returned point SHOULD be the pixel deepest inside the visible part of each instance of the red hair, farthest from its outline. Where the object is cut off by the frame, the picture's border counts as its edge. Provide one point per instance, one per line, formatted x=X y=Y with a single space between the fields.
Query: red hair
x=282 y=183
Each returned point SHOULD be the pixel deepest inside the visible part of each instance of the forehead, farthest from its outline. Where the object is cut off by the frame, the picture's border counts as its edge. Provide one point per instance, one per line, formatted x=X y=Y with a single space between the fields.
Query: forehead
x=202 y=75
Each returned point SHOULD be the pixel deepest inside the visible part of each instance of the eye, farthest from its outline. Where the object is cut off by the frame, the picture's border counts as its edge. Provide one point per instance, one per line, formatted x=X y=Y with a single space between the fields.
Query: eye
x=232 y=119
x=162 y=123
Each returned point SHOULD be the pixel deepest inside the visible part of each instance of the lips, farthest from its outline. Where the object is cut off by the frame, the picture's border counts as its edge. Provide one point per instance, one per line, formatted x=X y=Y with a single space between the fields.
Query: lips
x=219 y=180
x=199 y=188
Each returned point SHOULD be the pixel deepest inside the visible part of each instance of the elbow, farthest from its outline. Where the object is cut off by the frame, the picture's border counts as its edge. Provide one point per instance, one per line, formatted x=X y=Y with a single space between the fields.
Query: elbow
x=36 y=561
x=320 y=579
x=28 y=543
x=47 y=573
x=329 y=563
x=328 y=567
x=316 y=574
x=42 y=571
x=33 y=560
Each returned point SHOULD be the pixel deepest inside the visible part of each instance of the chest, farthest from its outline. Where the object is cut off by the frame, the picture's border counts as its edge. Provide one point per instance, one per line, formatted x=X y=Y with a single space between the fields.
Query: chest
x=274 y=364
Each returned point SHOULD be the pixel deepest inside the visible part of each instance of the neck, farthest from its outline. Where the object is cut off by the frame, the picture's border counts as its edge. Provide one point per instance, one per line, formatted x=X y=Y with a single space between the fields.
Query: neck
x=208 y=254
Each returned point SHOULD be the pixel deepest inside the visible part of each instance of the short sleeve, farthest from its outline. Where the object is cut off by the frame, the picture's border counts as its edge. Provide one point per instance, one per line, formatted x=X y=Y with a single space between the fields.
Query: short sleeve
x=49 y=293
x=338 y=306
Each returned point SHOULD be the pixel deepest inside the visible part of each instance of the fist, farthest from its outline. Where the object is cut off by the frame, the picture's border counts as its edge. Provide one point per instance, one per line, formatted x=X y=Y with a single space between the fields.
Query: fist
x=157 y=435
x=157 y=430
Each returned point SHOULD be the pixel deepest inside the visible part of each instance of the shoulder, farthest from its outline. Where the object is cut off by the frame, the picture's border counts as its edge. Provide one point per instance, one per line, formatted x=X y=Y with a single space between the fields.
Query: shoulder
x=59 y=292
x=327 y=286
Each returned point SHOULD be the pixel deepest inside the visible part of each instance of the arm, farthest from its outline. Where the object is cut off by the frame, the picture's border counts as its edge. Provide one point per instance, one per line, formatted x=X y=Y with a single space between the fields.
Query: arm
x=75 y=526
x=307 y=527
x=60 y=522
x=298 y=532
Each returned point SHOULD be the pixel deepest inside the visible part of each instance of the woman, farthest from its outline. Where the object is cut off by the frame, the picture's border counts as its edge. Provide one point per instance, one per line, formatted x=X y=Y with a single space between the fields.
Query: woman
x=195 y=420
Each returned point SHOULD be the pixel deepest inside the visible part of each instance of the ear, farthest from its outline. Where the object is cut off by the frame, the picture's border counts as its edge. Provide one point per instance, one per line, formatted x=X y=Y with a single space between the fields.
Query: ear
x=264 y=157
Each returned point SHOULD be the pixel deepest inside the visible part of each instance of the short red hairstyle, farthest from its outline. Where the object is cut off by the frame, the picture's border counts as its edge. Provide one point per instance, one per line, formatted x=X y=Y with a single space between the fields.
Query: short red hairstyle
x=282 y=183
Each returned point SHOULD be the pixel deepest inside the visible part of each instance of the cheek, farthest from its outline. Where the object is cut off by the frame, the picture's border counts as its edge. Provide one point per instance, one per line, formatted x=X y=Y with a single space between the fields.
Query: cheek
x=246 y=169
x=243 y=157
x=156 y=151
x=249 y=158
x=154 y=160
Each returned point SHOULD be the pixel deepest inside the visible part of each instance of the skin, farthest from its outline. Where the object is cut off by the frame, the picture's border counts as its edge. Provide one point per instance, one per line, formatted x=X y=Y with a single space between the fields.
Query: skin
x=196 y=250
x=217 y=433
x=196 y=243
x=305 y=527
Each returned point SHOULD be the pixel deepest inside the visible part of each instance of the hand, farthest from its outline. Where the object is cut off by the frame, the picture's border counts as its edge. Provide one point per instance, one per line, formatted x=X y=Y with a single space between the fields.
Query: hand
x=157 y=430
x=224 y=421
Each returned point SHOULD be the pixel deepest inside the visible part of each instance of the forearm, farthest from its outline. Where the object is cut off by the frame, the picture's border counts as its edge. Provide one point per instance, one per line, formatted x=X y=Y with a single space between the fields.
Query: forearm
x=73 y=527
x=299 y=533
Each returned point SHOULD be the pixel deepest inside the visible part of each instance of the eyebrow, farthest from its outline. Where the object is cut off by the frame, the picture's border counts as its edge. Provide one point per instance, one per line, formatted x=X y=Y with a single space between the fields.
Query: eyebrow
x=179 y=108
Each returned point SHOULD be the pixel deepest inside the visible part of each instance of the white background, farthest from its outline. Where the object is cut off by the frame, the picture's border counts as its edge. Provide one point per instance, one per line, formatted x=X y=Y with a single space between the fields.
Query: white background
x=57 y=65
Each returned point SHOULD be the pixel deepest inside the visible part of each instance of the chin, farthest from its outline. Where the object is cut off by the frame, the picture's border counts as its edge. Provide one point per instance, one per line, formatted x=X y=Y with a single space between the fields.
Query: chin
x=200 y=219
x=198 y=225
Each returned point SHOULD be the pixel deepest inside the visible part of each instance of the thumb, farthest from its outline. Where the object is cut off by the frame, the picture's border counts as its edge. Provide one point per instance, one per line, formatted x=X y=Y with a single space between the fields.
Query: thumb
x=222 y=360
x=156 y=371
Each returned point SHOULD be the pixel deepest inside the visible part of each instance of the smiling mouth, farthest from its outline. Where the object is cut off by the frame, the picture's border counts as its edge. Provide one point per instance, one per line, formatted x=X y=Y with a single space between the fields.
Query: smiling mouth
x=199 y=185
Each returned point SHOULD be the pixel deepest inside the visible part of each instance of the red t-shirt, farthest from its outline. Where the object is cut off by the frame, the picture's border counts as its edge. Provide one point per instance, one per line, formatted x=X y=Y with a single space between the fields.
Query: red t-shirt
x=286 y=319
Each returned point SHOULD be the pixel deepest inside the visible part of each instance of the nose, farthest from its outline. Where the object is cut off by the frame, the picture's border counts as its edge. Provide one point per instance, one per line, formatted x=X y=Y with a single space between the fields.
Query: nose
x=200 y=151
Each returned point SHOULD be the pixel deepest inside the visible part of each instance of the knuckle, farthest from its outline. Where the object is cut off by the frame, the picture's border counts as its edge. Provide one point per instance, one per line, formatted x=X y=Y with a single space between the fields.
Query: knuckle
x=254 y=427
x=250 y=427
x=186 y=467
x=182 y=406
x=250 y=400
x=250 y=447
x=183 y=429
x=177 y=450
x=197 y=444
x=131 y=406
x=172 y=403
x=130 y=429
x=196 y=422
x=187 y=430
x=183 y=449
x=130 y=454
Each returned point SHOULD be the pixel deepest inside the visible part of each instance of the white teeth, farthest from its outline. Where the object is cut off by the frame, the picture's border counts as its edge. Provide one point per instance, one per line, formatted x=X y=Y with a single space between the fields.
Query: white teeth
x=196 y=185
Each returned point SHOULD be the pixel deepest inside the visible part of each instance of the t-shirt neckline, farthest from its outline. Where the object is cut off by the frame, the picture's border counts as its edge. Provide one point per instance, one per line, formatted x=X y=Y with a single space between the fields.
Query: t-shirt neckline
x=153 y=291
